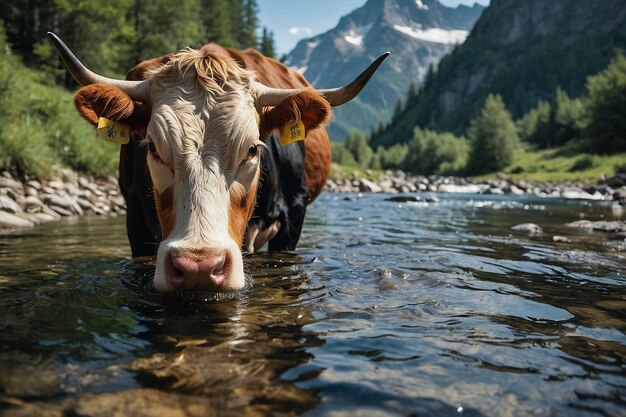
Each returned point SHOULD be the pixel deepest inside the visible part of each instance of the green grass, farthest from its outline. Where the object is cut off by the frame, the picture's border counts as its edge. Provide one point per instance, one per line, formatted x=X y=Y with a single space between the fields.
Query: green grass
x=342 y=172
x=39 y=126
x=562 y=164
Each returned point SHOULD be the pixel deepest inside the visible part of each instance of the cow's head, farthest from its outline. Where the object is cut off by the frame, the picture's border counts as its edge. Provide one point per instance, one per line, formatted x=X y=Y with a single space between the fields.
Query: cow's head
x=202 y=114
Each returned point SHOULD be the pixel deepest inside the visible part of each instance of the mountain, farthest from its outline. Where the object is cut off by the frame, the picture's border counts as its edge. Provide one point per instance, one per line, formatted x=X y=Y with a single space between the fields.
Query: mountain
x=522 y=50
x=417 y=32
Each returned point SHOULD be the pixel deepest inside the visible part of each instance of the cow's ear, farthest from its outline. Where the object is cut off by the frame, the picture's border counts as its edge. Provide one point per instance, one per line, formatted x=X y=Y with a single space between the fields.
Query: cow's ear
x=100 y=100
x=313 y=109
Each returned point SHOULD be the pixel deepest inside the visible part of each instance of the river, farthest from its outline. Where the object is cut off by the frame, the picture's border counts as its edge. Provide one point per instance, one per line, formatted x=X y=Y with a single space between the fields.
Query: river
x=385 y=309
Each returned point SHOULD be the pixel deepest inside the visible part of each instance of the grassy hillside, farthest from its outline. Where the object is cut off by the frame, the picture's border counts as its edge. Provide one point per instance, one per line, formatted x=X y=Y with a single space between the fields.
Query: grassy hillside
x=40 y=126
x=563 y=163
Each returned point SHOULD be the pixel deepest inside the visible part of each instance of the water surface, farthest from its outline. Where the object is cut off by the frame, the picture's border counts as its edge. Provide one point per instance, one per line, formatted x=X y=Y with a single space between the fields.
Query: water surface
x=385 y=309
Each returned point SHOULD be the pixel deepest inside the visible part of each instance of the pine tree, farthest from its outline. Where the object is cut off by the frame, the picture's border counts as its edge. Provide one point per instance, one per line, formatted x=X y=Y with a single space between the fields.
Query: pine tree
x=606 y=127
x=493 y=138
x=218 y=23
x=398 y=109
x=249 y=22
x=266 y=45
x=358 y=146
x=412 y=92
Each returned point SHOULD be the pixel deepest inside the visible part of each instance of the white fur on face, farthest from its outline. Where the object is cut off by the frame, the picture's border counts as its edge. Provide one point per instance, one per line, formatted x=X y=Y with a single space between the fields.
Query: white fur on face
x=202 y=140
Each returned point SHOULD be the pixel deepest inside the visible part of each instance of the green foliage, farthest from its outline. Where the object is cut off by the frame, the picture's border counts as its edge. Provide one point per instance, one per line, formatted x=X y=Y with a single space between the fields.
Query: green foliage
x=393 y=157
x=341 y=155
x=266 y=44
x=584 y=162
x=534 y=127
x=246 y=35
x=111 y=37
x=430 y=152
x=606 y=104
x=549 y=125
x=493 y=138
x=357 y=145
x=40 y=126
x=568 y=116
x=164 y=26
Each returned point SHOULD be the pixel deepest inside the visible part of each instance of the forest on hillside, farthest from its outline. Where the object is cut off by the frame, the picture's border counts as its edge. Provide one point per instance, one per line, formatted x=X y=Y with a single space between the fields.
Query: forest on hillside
x=113 y=36
x=593 y=124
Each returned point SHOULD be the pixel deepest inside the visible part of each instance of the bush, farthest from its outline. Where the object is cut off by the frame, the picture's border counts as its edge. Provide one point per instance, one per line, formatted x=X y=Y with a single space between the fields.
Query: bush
x=620 y=168
x=357 y=145
x=391 y=158
x=584 y=162
x=493 y=138
x=341 y=155
x=430 y=152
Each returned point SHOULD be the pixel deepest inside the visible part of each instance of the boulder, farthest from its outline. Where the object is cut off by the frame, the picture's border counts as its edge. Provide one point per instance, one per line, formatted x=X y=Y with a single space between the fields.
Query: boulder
x=365 y=185
x=8 y=220
x=8 y=205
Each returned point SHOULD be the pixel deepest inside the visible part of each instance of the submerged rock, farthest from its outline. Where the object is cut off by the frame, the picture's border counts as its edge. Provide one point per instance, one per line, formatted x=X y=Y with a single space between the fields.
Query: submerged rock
x=405 y=199
x=581 y=224
x=142 y=402
x=531 y=228
x=601 y=226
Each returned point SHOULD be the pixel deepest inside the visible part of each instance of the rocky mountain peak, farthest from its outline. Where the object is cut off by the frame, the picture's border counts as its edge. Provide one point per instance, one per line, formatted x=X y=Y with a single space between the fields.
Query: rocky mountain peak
x=417 y=32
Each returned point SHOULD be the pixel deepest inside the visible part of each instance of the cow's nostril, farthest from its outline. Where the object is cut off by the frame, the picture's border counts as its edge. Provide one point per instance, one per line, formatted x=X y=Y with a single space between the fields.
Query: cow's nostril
x=191 y=270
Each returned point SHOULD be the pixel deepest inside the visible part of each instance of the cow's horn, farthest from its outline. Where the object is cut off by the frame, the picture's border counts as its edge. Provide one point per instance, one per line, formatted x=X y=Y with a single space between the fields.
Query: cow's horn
x=137 y=90
x=336 y=96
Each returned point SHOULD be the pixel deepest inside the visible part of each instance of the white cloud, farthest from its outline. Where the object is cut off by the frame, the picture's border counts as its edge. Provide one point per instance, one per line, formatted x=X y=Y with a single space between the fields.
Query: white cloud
x=302 y=31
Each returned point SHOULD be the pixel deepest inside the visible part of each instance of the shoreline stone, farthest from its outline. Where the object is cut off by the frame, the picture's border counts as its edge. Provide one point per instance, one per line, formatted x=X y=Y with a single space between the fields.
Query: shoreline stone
x=26 y=202
x=607 y=189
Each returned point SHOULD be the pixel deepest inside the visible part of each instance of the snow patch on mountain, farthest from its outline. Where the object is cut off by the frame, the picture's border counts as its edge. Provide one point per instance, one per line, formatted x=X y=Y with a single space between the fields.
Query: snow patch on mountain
x=421 y=5
x=434 y=35
x=354 y=40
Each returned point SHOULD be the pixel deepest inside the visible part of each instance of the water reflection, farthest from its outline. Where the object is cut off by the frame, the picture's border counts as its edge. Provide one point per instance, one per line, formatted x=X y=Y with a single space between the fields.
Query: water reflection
x=387 y=309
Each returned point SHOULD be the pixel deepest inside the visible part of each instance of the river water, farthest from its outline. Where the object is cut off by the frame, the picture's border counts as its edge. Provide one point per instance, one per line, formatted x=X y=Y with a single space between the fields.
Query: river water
x=386 y=309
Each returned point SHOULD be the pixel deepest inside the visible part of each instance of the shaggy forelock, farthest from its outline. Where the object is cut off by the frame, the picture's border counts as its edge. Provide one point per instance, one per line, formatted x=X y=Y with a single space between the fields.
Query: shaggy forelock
x=214 y=72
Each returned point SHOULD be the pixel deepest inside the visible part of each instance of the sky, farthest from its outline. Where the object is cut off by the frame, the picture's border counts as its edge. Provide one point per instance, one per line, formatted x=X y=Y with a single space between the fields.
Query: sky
x=291 y=20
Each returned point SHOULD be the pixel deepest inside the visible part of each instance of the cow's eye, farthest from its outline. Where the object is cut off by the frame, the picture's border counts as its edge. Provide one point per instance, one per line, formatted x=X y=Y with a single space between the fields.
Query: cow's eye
x=151 y=147
x=153 y=151
x=252 y=151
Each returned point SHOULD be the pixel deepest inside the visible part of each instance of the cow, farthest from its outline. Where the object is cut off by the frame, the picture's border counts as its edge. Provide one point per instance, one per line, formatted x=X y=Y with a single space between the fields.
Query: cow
x=205 y=174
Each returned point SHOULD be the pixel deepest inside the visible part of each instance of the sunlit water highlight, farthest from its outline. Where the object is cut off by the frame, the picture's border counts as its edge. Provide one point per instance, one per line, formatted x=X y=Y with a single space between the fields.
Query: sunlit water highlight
x=385 y=309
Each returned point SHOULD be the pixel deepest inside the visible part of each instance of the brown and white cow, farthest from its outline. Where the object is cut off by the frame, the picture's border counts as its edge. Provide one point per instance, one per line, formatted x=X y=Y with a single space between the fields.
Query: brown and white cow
x=204 y=124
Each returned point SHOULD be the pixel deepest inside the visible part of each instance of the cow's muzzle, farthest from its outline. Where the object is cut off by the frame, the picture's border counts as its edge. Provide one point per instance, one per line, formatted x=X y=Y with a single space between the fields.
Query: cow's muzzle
x=197 y=271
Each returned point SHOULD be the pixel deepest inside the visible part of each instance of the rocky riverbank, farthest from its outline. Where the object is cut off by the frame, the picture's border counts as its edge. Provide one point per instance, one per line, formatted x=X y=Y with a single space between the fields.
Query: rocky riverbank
x=613 y=188
x=29 y=202
x=26 y=202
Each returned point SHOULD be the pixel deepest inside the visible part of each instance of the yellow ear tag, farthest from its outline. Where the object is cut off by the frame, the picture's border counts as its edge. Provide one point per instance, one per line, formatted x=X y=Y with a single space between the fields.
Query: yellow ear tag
x=292 y=132
x=113 y=131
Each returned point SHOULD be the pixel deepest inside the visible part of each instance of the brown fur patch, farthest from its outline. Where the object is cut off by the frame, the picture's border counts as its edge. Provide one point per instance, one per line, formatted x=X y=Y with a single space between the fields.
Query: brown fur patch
x=165 y=210
x=100 y=100
x=142 y=70
x=240 y=210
